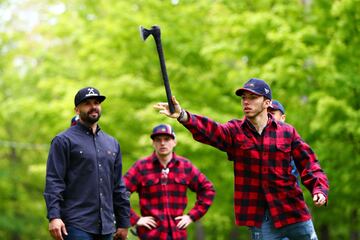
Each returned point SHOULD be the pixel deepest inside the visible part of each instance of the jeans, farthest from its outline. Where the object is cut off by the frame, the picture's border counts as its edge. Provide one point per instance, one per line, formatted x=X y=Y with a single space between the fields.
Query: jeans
x=296 y=231
x=78 y=234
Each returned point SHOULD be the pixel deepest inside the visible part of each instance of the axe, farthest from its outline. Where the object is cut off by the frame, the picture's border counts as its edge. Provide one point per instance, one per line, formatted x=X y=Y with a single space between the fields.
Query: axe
x=155 y=32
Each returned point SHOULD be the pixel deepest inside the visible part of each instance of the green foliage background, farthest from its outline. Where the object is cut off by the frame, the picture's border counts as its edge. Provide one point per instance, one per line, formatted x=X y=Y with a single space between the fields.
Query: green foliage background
x=307 y=50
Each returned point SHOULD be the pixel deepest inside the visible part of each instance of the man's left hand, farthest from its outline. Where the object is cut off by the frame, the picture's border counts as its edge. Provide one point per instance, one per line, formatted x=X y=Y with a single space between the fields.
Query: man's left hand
x=184 y=221
x=121 y=234
x=319 y=199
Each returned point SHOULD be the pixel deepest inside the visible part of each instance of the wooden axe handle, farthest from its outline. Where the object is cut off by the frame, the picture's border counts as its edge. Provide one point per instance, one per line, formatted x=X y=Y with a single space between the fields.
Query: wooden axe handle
x=164 y=73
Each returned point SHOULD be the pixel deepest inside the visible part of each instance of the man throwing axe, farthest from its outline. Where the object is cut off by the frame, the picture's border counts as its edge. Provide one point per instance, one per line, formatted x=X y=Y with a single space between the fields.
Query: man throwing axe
x=261 y=148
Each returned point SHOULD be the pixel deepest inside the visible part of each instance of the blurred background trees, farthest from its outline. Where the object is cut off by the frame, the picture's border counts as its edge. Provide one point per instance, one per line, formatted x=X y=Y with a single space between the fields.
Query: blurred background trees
x=307 y=50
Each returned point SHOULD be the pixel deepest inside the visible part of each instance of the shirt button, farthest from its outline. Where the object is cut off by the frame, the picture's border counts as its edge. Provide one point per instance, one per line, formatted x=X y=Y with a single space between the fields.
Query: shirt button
x=100 y=179
x=99 y=164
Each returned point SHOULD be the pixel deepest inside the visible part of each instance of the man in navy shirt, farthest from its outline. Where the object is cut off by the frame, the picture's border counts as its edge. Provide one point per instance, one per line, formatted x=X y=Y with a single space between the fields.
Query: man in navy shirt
x=84 y=193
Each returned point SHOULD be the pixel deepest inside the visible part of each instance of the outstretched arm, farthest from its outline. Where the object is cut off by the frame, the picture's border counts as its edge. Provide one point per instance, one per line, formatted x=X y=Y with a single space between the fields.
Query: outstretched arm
x=202 y=128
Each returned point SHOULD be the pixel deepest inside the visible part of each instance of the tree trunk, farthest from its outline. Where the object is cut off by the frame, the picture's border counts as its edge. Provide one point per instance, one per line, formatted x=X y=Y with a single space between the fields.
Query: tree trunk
x=234 y=233
x=324 y=232
x=354 y=223
x=199 y=231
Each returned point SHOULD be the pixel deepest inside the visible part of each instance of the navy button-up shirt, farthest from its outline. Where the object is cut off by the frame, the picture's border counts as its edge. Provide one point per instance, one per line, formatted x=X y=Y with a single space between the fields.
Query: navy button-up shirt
x=84 y=185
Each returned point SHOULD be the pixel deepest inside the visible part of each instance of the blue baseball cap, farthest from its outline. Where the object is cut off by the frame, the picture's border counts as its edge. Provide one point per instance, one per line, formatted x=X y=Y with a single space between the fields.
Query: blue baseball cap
x=276 y=105
x=256 y=86
x=74 y=120
x=163 y=129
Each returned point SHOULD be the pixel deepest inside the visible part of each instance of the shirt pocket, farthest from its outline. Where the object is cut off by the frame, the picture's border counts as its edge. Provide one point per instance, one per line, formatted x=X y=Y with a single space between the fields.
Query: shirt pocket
x=81 y=163
x=108 y=156
x=150 y=187
x=247 y=146
x=181 y=183
x=181 y=180
x=241 y=145
x=283 y=151
x=248 y=153
x=283 y=159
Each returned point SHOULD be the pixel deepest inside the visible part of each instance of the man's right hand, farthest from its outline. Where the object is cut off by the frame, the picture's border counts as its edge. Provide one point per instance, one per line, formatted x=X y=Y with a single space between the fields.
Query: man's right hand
x=57 y=228
x=164 y=108
x=148 y=222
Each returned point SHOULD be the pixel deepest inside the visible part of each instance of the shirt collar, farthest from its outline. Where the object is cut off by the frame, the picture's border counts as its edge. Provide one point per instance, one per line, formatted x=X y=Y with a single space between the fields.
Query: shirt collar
x=86 y=129
x=271 y=121
x=174 y=158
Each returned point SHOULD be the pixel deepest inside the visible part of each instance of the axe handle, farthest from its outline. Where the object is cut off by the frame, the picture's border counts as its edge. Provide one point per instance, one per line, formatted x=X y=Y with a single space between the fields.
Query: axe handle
x=164 y=74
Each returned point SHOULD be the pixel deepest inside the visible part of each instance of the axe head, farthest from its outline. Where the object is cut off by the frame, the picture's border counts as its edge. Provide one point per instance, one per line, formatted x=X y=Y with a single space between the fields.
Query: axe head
x=144 y=33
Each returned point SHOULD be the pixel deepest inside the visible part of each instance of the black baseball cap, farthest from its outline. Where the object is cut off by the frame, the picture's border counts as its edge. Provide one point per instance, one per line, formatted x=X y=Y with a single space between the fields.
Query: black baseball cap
x=163 y=129
x=87 y=92
x=256 y=86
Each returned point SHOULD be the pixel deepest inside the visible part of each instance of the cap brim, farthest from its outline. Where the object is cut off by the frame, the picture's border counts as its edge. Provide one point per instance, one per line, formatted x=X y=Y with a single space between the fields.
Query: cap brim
x=240 y=91
x=164 y=134
x=276 y=109
x=273 y=108
x=100 y=98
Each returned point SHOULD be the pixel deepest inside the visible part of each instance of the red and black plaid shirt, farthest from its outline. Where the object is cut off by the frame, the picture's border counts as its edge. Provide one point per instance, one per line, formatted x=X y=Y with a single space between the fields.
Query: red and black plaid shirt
x=162 y=194
x=262 y=168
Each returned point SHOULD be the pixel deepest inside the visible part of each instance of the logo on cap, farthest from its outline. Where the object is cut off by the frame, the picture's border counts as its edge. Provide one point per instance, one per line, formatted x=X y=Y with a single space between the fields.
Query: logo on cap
x=91 y=92
x=276 y=105
x=256 y=86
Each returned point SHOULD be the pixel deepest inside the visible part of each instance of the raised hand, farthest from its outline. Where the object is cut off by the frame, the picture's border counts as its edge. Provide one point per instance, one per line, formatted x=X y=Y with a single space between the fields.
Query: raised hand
x=163 y=108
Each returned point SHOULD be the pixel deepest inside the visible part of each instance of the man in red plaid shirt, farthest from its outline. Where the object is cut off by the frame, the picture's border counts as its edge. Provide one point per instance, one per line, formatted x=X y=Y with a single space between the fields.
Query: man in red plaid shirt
x=267 y=198
x=161 y=180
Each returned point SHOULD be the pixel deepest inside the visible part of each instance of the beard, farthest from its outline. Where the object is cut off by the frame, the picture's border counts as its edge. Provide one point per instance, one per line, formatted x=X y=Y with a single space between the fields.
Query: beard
x=88 y=118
